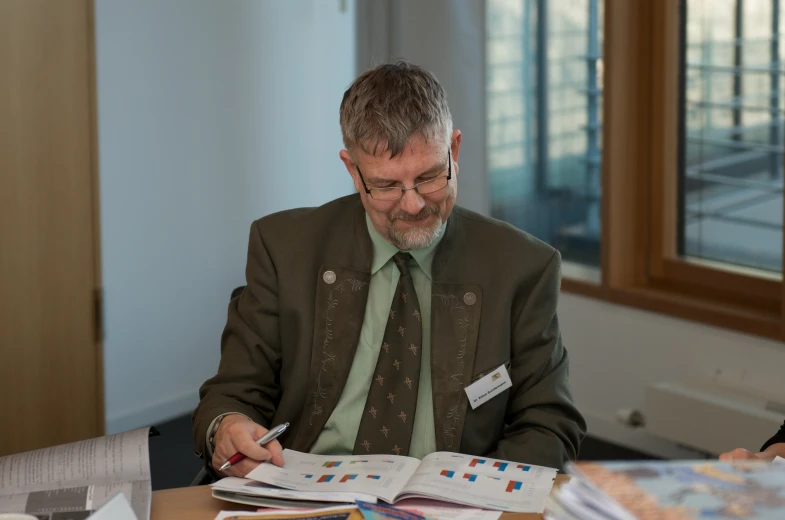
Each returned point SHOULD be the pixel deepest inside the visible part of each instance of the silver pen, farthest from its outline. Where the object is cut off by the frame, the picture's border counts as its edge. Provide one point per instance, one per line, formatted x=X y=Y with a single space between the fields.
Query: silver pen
x=270 y=436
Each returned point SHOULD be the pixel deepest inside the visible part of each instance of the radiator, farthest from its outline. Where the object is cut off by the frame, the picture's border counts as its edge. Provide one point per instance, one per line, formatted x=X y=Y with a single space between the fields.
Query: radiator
x=711 y=417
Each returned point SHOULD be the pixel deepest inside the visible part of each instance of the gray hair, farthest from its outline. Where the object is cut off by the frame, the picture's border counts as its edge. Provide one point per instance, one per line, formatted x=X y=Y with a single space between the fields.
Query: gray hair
x=391 y=103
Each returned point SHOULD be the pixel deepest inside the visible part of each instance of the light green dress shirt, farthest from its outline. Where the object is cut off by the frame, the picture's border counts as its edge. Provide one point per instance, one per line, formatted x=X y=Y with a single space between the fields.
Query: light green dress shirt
x=340 y=431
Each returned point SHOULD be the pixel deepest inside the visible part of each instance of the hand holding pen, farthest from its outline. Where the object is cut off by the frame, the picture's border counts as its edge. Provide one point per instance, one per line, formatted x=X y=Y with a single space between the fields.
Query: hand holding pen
x=240 y=444
x=268 y=437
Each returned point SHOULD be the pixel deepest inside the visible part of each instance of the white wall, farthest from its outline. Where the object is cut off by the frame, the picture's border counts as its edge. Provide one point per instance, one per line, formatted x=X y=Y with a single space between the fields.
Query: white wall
x=210 y=114
x=617 y=351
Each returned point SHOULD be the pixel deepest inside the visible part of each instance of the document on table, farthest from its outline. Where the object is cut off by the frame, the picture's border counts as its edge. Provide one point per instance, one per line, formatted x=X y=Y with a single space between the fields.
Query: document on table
x=478 y=482
x=117 y=508
x=78 y=477
x=436 y=510
x=344 y=512
x=430 y=509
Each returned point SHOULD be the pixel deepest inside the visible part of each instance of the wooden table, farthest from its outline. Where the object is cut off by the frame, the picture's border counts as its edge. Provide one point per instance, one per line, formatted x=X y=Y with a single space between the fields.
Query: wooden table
x=196 y=503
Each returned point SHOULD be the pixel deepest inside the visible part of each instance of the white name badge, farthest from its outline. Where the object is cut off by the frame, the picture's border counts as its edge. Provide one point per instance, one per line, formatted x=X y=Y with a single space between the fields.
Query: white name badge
x=488 y=387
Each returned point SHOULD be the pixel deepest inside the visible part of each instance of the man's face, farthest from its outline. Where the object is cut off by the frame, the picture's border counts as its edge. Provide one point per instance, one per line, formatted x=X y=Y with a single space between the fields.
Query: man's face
x=415 y=220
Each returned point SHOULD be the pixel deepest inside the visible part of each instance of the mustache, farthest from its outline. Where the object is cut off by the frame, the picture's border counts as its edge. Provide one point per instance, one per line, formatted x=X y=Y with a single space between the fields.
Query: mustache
x=425 y=212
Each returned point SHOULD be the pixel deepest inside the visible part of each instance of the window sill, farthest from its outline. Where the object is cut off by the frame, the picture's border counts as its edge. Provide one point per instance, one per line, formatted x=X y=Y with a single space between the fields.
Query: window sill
x=759 y=322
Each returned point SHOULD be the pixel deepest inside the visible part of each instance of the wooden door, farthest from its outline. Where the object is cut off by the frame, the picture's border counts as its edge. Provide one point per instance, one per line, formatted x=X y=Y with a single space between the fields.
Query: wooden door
x=50 y=356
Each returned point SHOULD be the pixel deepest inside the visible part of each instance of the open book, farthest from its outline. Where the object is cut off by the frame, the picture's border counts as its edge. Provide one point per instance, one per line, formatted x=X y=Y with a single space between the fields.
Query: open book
x=78 y=478
x=450 y=477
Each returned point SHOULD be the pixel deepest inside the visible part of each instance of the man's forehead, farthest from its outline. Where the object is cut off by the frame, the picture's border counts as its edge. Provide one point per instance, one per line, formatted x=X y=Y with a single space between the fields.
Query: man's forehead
x=414 y=153
x=401 y=171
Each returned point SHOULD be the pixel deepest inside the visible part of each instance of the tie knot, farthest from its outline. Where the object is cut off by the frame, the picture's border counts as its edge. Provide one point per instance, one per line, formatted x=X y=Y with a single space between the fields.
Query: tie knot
x=401 y=259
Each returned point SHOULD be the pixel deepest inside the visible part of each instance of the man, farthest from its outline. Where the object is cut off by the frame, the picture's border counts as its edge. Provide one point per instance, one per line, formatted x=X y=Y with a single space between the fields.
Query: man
x=774 y=447
x=364 y=320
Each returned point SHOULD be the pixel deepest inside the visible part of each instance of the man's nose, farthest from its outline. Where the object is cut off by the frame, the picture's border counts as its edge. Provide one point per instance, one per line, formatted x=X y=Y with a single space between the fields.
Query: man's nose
x=412 y=202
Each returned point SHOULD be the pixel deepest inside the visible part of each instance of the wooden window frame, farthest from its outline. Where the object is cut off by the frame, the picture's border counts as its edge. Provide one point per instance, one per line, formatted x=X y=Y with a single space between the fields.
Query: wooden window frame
x=640 y=264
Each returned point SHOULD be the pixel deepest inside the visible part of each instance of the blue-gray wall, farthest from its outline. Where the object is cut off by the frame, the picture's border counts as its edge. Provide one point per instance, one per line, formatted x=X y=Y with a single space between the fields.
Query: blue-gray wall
x=210 y=114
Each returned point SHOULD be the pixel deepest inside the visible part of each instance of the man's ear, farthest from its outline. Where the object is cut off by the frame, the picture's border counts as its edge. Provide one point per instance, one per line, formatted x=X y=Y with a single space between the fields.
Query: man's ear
x=348 y=162
x=455 y=149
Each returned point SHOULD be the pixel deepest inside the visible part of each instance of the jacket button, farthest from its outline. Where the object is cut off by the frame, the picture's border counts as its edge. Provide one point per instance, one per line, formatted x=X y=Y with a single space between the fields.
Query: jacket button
x=329 y=277
x=469 y=298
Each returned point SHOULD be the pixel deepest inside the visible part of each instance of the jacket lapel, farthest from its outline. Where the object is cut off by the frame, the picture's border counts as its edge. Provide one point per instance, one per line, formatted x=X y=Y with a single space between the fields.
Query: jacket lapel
x=455 y=318
x=341 y=296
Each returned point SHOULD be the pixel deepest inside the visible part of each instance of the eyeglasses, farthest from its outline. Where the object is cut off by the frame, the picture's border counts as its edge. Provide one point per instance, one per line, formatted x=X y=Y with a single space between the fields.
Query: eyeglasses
x=423 y=188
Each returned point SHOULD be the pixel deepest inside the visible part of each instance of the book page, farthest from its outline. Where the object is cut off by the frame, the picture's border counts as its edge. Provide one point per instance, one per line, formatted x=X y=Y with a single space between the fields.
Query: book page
x=382 y=476
x=482 y=482
x=117 y=508
x=81 y=476
x=244 y=486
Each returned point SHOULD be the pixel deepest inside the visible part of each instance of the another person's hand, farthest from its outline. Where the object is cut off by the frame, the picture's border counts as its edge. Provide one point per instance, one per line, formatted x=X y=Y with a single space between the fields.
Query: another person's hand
x=237 y=433
x=742 y=454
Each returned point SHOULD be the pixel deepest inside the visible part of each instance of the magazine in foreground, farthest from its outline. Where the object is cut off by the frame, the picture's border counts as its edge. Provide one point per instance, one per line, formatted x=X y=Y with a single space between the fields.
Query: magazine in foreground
x=73 y=480
x=670 y=490
x=461 y=479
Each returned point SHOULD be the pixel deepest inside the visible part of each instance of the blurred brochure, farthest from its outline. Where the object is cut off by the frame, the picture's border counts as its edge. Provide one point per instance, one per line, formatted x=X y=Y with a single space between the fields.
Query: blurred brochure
x=670 y=490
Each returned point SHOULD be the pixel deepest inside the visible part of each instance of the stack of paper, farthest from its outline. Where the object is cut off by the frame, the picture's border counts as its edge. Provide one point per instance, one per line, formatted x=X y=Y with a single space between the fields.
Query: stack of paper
x=344 y=512
x=247 y=491
x=670 y=490
x=412 y=509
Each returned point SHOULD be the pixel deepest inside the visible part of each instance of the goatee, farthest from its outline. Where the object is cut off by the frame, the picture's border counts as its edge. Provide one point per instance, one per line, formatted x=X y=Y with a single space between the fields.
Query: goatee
x=415 y=237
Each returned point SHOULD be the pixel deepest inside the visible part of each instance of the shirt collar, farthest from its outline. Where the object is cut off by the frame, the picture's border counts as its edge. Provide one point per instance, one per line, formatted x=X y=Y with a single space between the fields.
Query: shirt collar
x=383 y=250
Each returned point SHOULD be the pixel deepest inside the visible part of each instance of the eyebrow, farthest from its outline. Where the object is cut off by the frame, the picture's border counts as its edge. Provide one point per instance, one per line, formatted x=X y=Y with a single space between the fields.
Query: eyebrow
x=433 y=169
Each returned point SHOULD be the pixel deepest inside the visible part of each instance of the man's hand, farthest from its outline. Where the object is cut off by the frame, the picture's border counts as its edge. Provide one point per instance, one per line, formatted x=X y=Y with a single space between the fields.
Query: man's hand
x=742 y=454
x=239 y=434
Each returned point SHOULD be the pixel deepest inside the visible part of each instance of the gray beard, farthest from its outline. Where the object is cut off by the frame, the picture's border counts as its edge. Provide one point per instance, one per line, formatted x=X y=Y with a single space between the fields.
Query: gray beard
x=416 y=238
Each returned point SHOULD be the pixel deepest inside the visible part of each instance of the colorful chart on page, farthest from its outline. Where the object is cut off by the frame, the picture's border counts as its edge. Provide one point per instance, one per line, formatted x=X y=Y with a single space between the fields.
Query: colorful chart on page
x=491 y=466
x=371 y=474
x=500 y=485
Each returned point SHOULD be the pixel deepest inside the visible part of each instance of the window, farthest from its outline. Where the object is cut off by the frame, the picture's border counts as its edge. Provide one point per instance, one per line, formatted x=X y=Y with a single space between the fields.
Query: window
x=544 y=123
x=660 y=172
x=732 y=140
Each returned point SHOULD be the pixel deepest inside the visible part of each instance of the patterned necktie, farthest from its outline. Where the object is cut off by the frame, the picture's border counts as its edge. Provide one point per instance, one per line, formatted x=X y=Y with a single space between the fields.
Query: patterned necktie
x=388 y=417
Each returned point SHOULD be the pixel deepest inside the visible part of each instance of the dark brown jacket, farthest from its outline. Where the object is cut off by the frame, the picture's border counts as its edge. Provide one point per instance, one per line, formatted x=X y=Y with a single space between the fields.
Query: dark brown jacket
x=290 y=337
